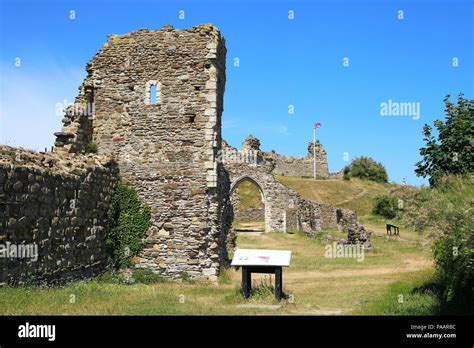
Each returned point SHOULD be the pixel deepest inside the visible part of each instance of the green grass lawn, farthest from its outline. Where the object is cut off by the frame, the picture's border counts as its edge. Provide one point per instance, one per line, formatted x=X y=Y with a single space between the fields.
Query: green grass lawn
x=318 y=285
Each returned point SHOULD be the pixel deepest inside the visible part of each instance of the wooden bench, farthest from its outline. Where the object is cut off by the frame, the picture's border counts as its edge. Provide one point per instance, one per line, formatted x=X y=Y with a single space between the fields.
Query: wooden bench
x=261 y=261
x=396 y=231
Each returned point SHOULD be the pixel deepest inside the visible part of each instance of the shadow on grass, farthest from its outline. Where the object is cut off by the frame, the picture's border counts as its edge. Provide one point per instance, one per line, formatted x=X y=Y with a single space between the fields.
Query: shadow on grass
x=443 y=307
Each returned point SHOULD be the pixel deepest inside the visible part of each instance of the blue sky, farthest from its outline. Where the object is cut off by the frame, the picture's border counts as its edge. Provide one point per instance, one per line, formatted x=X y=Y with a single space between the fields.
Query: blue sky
x=282 y=62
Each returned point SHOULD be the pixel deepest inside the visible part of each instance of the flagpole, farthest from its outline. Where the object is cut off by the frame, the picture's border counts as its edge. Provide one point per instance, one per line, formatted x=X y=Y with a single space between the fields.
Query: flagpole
x=314 y=152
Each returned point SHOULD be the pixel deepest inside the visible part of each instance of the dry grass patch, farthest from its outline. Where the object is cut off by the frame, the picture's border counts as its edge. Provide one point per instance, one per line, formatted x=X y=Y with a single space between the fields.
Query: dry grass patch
x=319 y=285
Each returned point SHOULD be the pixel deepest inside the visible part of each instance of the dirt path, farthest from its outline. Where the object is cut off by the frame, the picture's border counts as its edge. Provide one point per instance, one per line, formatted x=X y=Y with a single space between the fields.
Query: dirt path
x=407 y=266
x=249 y=227
x=359 y=195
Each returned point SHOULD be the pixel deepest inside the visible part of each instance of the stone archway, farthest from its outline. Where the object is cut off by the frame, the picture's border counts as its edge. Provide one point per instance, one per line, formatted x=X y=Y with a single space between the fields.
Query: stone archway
x=279 y=201
x=236 y=182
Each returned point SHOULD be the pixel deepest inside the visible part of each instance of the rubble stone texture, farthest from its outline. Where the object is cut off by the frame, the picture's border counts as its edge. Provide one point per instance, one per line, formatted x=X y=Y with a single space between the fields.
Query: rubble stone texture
x=249 y=214
x=60 y=204
x=301 y=166
x=166 y=150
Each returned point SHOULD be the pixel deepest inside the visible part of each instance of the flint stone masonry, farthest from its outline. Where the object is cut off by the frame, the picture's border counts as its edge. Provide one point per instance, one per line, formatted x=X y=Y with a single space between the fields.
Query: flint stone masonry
x=301 y=166
x=166 y=150
x=283 y=165
x=249 y=214
x=58 y=203
x=314 y=216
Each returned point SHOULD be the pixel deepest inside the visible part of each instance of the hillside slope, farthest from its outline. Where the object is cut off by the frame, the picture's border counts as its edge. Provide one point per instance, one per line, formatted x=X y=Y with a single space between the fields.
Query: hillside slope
x=354 y=194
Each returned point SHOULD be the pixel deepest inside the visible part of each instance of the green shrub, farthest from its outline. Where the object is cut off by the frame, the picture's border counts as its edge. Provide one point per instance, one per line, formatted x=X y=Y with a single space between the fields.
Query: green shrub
x=366 y=168
x=450 y=209
x=346 y=174
x=454 y=257
x=412 y=201
x=185 y=276
x=91 y=147
x=129 y=220
x=385 y=206
x=264 y=290
x=446 y=211
x=146 y=276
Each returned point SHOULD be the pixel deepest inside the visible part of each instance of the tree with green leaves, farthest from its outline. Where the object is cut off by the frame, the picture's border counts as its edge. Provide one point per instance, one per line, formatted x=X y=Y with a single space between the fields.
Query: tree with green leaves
x=367 y=169
x=451 y=151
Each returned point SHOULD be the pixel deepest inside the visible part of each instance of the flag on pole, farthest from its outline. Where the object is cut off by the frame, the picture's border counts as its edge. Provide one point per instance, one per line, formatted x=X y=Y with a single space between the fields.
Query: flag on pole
x=315 y=126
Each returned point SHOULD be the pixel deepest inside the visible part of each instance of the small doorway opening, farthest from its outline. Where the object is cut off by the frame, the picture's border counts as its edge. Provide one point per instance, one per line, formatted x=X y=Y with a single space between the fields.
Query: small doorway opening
x=249 y=207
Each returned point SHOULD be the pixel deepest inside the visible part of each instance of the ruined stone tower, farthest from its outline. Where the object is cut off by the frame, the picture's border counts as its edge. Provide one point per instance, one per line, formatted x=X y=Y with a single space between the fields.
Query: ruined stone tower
x=301 y=166
x=157 y=101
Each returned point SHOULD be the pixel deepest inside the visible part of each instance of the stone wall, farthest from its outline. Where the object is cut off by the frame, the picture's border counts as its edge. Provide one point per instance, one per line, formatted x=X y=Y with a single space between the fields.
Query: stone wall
x=301 y=166
x=166 y=148
x=152 y=102
x=312 y=217
x=336 y=175
x=57 y=204
x=249 y=214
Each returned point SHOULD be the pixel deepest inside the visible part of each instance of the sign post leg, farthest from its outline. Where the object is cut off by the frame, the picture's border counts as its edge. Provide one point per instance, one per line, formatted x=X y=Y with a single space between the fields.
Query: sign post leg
x=246 y=281
x=278 y=283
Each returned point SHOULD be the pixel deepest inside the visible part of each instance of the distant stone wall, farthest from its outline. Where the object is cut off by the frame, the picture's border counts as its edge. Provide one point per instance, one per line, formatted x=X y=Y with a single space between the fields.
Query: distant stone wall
x=308 y=217
x=328 y=214
x=57 y=205
x=301 y=166
x=336 y=175
x=314 y=216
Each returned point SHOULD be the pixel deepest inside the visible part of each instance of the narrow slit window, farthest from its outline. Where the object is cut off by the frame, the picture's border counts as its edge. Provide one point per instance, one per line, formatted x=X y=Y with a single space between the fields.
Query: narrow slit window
x=153 y=94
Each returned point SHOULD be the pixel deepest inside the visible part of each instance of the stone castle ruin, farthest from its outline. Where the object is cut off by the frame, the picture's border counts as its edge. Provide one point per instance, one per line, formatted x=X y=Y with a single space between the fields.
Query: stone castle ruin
x=275 y=164
x=166 y=145
x=284 y=209
x=151 y=105
x=301 y=166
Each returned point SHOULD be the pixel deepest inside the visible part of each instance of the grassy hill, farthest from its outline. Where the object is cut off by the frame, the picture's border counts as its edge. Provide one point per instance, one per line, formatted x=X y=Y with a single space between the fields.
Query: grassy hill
x=354 y=194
